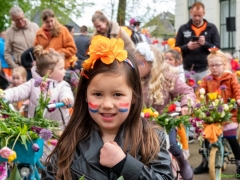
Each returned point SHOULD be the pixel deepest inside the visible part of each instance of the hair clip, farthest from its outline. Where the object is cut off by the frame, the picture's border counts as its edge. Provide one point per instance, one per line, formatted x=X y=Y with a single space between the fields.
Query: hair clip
x=178 y=49
x=105 y=49
x=213 y=49
x=129 y=62
x=84 y=74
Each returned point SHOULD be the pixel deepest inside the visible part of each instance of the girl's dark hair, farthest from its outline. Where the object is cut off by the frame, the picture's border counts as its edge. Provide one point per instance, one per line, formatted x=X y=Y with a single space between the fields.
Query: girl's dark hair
x=176 y=55
x=139 y=136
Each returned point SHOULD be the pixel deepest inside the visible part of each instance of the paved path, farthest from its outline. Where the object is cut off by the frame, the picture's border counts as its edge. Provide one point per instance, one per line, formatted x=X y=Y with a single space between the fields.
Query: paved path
x=195 y=159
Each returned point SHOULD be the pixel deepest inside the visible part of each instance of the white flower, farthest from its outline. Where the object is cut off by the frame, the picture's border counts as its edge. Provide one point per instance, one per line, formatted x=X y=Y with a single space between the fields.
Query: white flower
x=222 y=114
x=202 y=91
x=202 y=96
x=225 y=107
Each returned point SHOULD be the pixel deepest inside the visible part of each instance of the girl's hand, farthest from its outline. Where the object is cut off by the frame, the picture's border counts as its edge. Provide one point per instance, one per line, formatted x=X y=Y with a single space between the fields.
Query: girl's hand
x=184 y=110
x=67 y=102
x=111 y=154
x=238 y=102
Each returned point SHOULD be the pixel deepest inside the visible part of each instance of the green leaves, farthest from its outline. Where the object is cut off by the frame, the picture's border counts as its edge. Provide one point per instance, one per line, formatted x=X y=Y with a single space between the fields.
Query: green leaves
x=15 y=175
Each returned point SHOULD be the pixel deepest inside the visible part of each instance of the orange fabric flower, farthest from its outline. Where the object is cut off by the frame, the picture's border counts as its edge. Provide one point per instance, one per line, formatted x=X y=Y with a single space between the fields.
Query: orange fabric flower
x=212 y=132
x=105 y=49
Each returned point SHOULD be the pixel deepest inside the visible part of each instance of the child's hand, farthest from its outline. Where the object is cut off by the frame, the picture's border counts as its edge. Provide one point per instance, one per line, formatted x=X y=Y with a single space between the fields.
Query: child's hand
x=67 y=102
x=184 y=110
x=111 y=154
x=238 y=102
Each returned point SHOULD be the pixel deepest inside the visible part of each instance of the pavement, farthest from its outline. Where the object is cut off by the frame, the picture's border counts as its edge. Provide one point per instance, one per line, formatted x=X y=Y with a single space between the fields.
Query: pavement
x=195 y=159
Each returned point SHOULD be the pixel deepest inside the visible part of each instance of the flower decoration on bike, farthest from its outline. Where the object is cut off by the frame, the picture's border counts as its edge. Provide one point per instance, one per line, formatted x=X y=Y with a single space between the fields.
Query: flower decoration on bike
x=18 y=130
x=166 y=118
x=210 y=113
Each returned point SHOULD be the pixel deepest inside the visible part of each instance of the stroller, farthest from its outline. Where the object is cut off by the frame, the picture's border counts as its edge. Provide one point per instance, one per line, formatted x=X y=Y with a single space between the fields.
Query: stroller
x=3 y=80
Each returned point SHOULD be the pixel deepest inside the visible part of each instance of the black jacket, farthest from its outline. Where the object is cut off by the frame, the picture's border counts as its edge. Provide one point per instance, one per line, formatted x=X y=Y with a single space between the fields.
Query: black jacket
x=196 y=57
x=86 y=162
x=82 y=43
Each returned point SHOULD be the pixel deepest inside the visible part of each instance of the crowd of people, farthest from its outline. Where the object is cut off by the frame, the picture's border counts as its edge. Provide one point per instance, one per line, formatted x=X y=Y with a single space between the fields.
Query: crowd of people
x=105 y=136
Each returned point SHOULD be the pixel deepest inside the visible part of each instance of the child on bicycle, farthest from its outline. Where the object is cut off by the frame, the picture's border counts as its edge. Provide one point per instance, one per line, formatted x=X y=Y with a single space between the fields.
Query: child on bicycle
x=161 y=84
x=51 y=63
x=221 y=76
x=106 y=137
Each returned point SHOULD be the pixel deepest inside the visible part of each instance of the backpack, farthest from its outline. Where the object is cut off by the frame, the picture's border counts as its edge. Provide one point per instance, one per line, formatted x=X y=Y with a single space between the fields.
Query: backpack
x=135 y=36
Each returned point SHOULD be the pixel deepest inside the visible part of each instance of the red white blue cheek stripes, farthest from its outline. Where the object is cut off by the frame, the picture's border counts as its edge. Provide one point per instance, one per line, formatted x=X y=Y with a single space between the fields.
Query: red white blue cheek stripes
x=92 y=107
x=123 y=107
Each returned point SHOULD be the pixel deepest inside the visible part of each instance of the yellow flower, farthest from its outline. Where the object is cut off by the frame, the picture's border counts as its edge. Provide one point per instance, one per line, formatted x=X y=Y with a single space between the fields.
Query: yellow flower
x=238 y=73
x=212 y=95
x=148 y=110
x=155 y=114
x=199 y=82
x=105 y=49
x=202 y=96
x=12 y=156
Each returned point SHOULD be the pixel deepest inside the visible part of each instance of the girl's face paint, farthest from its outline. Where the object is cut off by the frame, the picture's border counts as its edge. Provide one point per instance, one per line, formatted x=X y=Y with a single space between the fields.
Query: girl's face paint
x=123 y=107
x=92 y=107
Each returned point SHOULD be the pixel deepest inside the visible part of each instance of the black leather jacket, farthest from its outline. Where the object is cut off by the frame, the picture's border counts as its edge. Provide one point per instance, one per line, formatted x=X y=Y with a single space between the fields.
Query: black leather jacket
x=86 y=162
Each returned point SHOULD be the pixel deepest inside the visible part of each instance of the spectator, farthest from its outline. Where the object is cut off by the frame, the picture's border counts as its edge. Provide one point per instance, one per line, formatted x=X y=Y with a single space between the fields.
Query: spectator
x=195 y=38
x=19 y=37
x=53 y=35
x=137 y=35
x=4 y=64
x=70 y=29
x=82 y=42
x=110 y=29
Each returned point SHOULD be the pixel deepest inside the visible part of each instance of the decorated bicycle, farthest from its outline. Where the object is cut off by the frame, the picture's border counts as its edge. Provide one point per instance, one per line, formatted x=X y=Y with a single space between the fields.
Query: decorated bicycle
x=22 y=139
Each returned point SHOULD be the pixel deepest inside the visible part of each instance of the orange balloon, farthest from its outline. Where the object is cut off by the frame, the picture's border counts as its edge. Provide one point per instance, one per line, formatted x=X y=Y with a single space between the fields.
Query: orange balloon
x=171 y=42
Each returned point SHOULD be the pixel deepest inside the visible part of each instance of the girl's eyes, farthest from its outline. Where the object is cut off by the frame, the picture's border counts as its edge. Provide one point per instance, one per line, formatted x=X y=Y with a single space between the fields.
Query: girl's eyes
x=117 y=94
x=97 y=94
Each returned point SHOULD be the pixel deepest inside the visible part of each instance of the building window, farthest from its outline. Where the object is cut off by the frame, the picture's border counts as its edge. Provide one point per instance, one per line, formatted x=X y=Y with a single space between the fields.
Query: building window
x=190 y=3
x=227 y=9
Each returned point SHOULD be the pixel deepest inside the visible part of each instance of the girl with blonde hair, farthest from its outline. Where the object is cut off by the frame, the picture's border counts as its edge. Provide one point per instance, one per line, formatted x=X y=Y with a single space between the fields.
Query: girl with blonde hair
x=161 y=84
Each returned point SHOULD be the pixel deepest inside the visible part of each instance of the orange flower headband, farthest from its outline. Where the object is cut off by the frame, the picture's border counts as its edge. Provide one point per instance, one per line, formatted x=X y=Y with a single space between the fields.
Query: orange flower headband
x=215 y=51
x=106 y=50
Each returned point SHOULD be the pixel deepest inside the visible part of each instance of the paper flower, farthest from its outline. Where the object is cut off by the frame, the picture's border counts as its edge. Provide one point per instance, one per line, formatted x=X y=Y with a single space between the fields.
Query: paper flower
x=106 y=50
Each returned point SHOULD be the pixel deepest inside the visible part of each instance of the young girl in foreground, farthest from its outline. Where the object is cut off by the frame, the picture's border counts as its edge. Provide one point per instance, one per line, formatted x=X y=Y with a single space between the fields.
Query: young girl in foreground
x=220 y=76
x=161 y=84
x=106 y=138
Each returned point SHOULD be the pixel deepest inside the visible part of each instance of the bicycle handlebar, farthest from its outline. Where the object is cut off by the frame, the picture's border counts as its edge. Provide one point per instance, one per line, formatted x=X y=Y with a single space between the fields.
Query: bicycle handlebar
x=55 y=105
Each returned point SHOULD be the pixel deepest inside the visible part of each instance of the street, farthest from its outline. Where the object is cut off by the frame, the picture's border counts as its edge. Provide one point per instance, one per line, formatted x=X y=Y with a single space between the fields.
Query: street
x=195 y=159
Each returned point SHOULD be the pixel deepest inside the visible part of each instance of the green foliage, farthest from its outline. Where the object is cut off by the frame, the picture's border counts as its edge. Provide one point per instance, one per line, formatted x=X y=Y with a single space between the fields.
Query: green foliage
x=63 y=9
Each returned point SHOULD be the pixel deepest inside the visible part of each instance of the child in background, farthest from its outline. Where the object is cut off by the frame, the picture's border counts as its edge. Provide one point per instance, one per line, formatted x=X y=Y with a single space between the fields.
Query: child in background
x=51 y=63
x=161 y=84
x=174 y=58
x=19 y=76
x=221 y=77
x=232 y=64
x=106 y=138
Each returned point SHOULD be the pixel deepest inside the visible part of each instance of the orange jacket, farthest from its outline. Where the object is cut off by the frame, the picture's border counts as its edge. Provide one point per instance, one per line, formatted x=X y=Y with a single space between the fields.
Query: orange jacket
x=62 y=43
x=233 y=88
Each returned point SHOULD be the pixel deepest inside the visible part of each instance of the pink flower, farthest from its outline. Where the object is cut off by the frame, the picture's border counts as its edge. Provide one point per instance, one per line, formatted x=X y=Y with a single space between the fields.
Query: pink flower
x=5 y=152
x=35 y=147
x=53 y=142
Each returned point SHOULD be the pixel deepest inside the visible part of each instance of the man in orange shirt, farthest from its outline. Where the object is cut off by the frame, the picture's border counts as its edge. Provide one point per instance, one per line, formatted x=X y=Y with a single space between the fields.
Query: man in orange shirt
x=194 y=39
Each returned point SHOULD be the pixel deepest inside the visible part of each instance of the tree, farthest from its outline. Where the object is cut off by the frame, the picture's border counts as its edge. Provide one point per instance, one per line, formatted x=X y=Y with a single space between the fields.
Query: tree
x=62 y=8
x=121 y=15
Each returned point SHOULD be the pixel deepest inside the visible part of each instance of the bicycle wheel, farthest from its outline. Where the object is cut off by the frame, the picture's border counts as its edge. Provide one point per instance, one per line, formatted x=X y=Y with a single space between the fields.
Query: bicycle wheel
x=215 y=165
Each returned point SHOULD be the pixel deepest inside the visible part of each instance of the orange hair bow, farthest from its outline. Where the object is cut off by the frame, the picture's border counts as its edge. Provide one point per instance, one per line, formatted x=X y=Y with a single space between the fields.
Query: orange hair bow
x=213 y=49
x=106 y=50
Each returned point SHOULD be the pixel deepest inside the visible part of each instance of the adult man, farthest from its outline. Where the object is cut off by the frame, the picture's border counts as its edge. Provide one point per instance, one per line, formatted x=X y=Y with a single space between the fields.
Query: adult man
x=82 y=42
x=194 y=39
x=136 y=36
x=19 y=37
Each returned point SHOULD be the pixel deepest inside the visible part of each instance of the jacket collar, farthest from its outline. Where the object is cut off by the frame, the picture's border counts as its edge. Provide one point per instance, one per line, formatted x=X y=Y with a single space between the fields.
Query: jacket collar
x=190 y=23
x=226 y=75
x=92 y=146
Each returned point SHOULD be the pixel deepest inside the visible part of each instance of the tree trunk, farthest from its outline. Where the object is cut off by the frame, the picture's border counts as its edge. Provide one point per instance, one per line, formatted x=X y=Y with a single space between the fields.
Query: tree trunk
x=121 y=12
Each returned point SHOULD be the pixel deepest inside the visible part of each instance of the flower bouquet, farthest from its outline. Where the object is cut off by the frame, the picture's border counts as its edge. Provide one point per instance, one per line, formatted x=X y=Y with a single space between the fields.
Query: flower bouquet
x=21 y=139
x=167 y=119
x=210 y=113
